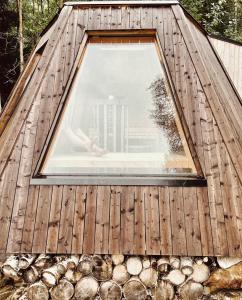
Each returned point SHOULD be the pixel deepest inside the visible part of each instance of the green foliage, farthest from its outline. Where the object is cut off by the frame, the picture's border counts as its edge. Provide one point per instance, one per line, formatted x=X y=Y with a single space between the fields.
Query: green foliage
x=220 y=17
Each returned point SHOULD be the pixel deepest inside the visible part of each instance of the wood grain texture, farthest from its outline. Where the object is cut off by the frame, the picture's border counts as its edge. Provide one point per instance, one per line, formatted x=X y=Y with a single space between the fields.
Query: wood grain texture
x=126 y=219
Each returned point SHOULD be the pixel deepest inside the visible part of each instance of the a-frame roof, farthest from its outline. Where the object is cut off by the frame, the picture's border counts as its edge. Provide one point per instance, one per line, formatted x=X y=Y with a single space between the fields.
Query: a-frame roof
x=119 y=219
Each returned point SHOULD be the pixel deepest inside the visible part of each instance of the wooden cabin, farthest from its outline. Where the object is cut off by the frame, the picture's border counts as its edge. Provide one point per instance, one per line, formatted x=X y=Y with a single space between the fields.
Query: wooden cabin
x=122 y=135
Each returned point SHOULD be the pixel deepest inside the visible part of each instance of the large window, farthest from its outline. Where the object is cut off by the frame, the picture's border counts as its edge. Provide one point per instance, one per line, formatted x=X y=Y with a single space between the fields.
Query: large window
x=120 y=117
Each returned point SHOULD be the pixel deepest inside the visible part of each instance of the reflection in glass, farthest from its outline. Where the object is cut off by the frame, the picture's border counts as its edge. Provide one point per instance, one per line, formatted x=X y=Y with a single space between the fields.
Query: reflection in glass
x=119 y=118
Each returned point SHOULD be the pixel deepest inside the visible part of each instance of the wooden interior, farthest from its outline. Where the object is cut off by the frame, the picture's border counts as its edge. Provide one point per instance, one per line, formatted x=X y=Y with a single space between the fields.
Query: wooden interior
x=120 y=219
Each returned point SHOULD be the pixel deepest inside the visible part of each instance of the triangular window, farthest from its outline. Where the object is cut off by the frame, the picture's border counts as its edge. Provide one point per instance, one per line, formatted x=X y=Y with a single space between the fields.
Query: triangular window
x=120 y=117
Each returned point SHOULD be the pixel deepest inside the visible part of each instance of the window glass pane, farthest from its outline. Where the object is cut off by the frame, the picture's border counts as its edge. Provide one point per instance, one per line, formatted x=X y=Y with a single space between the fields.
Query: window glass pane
x=120 y=117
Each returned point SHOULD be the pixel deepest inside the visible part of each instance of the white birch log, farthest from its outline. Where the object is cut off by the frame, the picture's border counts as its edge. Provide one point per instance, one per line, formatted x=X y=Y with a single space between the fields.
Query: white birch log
x=51 y=276
x=26 y=260
x=134 y=265
x=175 y=262
x=227 y=262
x=85 y=266
x=134 y=289
x=163 y=266
x=31 y=275
x=200 y=273
x=186 y=266
x=146 y=262
x=117 y=259
x=191 y=290
x=176 y=277
x=110 y=290
x=38 y=291
x=42 y=261
x=149 y=277
x=64 y=290
x=68 y=263
x=73 y=275
x=163 y=291
x=10 y=268
x=86 y=288
x=120 y=274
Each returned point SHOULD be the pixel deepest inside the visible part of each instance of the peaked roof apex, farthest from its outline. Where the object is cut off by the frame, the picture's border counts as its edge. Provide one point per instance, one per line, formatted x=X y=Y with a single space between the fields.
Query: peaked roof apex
x=114 y=2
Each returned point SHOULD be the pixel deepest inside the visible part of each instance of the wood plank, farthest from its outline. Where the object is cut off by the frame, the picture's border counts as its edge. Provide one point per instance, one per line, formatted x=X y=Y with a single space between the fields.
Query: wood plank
x=42 y=218
x=127 y=219
x=152 y=218
x=227 y=186
x=192 y=227
x=212 y=176
x=179 y=243
x=139 y=219
x=54 y=220
x=22 y=189
x=102 y=220
x=29 y=220
x=105 y=21
x=66 y=221
x=165 y=221
x=90 y=217
x=8 y=193
x=81 y=27
x=229 y=133
x=146 y=17
x=14 y=128
x=79 y=218
x=205 y=222
x=135 y=18
x=115 y=221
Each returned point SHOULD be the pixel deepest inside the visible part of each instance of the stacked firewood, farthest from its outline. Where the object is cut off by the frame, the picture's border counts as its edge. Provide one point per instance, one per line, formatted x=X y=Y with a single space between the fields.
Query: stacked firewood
x=92 y=277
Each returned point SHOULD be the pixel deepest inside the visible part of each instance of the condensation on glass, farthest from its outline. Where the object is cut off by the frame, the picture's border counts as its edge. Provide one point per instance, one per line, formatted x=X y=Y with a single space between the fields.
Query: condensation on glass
x=120 y=118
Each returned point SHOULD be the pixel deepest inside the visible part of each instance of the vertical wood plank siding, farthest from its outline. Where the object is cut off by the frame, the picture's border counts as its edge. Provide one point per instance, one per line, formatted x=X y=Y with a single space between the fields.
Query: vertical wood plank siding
x=126 y=219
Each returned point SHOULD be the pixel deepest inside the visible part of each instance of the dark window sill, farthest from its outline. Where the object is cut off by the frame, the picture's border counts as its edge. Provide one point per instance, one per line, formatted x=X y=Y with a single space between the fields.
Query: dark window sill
x=189 y=181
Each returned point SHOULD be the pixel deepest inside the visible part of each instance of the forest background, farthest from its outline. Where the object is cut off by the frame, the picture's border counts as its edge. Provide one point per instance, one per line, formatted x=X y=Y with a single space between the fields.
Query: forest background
x=22 y=21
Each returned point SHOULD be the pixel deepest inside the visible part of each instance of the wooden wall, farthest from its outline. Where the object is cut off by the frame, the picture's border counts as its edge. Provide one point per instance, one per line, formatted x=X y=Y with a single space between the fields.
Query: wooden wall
x=113 y=219
x=231 y=55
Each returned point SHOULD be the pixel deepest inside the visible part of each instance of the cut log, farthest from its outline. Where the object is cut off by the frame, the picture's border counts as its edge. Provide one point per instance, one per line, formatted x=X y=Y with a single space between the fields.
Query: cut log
x=227 y=262
x=163 y=291
x=73 y=275
x=117 y=259
x=64 y=290
x=134 y=289
x=38 y=291
x=110 y=290
x=51 y=276
x=86 y=288
x=68 y=263
x=120 y=274
x=176 y=277
x=200 y=272
x=191 y=290
x=85 y=266
x=186 y=266
x=175 y=262
x=163 y=266
x=18 y=293
x=6 y=292
x=225 y=279
x=146 y=262
x=134 y=265
x=10 y=268
x=102 y=268
x=26 y=260
x=43 y=261
x=149 y=277
x=31 y=275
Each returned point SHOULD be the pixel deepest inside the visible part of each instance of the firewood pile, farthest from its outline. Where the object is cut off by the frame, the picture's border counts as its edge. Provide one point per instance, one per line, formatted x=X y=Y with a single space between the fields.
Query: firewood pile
x=92 y=277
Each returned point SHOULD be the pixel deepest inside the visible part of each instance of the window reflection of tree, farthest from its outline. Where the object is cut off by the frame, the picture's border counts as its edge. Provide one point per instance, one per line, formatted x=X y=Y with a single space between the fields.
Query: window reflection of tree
x=164 y=113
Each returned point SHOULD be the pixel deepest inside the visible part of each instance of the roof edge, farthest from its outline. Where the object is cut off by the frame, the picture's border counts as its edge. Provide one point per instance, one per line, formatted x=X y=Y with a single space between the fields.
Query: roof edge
x=118 y=3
